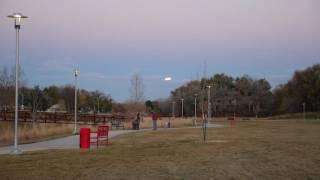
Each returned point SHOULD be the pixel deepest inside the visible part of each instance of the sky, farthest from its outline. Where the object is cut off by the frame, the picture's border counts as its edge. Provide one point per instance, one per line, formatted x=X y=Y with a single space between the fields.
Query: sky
x=110 y=40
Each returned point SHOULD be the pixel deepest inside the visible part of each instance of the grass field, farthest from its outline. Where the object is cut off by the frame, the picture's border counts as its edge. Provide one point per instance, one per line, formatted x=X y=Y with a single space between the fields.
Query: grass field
x=246 y=150
x=33 y=132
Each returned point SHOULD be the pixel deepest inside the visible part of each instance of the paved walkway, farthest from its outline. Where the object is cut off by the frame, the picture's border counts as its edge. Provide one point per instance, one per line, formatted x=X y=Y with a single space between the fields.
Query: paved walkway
x=72 y=142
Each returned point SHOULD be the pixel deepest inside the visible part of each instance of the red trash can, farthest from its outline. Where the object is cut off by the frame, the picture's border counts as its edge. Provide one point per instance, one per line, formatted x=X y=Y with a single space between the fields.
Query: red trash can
x=85 y=138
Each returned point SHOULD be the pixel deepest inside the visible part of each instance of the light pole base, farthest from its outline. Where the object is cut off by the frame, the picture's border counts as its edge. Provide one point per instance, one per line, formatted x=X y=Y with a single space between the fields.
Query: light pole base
x=15 y=151
x=75 y=132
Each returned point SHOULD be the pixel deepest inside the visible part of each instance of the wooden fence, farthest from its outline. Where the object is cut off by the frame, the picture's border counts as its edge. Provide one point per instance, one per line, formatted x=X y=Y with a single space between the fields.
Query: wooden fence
x=61 y=117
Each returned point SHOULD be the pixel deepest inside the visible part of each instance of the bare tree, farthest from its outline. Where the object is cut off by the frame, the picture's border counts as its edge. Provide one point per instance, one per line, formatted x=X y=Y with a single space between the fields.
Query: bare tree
x=6 y=88
x=136 y=89
x=136 y=101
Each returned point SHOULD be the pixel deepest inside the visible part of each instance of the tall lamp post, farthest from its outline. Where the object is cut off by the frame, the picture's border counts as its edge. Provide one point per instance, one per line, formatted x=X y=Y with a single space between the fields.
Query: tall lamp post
x=304 y=110
x=17 y=18
x=173 y=113
x=76 y=73
x=209 y=103
x=234 y=111
x=168 y=78
x=182 y=107
x=195 y=110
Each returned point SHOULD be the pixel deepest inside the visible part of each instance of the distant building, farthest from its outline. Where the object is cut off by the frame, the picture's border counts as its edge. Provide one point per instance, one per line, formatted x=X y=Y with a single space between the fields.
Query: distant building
x=56 y=108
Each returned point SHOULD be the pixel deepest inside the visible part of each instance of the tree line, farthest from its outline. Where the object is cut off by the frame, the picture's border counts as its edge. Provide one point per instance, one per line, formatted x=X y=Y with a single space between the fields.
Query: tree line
x=63 y=96
x=41 y=99
x=302 y=90
x=244 y=96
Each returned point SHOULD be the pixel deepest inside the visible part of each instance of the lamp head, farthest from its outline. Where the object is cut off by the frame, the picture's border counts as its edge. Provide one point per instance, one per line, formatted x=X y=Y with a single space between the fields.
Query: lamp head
x=17 y=19
x=76 y=72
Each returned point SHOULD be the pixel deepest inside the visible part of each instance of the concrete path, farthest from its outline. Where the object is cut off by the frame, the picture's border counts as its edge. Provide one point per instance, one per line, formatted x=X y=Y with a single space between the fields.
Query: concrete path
x=72 y=142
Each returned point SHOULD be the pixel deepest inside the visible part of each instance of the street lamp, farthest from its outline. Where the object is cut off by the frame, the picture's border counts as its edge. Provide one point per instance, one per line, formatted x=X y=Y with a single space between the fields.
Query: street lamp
x=209 y=103
x=17 y=18
x=234 y=109
x=182 y=107
x=195 y=110
x=168 y=78
x=173 y=113
x=304 y=110
x=76 y=73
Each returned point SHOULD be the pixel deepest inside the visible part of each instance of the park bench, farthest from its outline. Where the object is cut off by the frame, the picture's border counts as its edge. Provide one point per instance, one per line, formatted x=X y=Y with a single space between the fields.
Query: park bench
x=117 y=124
x=102 y=135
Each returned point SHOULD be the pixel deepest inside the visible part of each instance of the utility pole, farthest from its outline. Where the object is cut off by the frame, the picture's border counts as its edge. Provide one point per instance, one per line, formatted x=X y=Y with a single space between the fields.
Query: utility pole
x=173 y=114
x=209 y=103
x=182 y=107
x=76 y=73
x=195 y=110
x=304 y=111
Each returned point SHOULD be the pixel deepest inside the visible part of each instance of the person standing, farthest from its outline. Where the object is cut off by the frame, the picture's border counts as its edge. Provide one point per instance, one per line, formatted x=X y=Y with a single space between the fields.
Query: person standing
x=138 y=121
x=154 y=120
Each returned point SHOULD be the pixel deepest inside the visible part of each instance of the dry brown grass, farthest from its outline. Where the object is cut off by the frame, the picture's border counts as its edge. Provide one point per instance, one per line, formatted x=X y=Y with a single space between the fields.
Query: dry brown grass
x=146 y=123
x=31 y=132
x=247 y=150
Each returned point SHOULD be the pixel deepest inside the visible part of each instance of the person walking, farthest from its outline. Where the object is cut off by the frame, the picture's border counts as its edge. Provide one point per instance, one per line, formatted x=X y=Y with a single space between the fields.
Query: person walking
x=154 y=120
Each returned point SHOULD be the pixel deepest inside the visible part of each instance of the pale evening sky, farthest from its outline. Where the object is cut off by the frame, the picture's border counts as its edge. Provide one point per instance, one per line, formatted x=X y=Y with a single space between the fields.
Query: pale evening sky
x=109 y=40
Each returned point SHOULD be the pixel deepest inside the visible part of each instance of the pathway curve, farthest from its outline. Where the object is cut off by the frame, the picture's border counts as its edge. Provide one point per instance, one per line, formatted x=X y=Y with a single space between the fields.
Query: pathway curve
x=72 y=142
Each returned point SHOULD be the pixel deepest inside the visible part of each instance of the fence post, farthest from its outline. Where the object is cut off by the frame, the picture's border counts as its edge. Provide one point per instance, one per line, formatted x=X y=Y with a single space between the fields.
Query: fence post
x=4 y=115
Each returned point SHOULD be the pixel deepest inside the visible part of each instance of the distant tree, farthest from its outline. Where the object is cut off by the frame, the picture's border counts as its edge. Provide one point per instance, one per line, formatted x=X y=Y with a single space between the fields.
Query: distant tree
x=7 y=84
x=163 y=106
x=304 y=87
x=136 y=101
x=105 y=104
x=53 y=94
x=118 y=108
x=36 y=99
x=244 y=96
x=85 y=101
x=262 y=97
x=149 y=106
x=136 y=89
x=187 y=92
x=96 y=95
x=101 y=102
x=67 y=94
